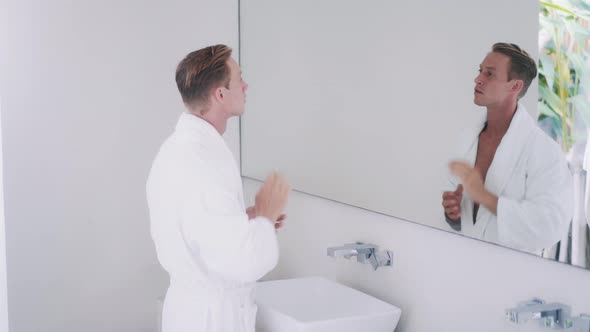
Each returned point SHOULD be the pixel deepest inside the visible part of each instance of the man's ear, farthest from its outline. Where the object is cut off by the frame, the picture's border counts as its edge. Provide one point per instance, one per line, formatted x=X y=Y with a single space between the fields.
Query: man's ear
x=218 y=94
x=517 y=86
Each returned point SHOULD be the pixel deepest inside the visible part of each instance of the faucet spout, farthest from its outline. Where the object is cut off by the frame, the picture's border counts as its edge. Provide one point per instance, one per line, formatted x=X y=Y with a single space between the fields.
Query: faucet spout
x=364 y=252
x=352 y=249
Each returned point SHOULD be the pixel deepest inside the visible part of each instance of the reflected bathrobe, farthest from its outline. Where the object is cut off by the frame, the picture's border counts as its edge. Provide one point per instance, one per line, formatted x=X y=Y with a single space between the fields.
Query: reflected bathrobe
x=532 y=180
x=202 y=234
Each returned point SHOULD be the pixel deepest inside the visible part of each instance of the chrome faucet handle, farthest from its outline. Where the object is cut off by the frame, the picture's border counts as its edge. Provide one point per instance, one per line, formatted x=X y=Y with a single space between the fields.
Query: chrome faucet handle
x=551 y=315
x=579 y=323
x=518 y=315
x=381 y=258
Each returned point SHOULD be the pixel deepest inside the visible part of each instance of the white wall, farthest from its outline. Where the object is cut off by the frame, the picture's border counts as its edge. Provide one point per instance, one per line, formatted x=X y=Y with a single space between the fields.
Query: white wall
x=3 y=272
x=3 y=289
x=441 y=281
x=88 y=96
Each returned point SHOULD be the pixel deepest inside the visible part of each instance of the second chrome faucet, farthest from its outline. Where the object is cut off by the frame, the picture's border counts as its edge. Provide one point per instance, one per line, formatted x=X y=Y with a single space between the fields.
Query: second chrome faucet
x=364 y=252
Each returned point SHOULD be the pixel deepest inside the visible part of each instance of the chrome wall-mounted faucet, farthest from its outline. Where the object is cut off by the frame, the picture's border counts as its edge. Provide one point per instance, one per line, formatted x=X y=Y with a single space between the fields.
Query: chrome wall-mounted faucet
x=365 y=253
x=550 y=315
x=556 y=316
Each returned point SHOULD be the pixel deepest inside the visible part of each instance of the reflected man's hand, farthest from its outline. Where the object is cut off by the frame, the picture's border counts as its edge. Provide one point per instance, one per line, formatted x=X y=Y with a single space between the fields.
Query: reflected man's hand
x=452 y=203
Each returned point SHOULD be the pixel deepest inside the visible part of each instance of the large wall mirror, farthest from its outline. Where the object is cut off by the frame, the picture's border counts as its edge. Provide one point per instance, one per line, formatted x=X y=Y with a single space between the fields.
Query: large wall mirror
x=367 y=102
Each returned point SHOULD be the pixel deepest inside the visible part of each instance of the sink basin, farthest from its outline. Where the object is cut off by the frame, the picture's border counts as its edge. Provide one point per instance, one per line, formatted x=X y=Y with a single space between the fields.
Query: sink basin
x=317 y=304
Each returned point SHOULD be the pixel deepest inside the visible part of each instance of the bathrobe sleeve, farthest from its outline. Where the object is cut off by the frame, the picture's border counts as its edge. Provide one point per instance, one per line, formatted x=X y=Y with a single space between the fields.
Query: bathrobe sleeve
x=542 y=218
x=216 y=228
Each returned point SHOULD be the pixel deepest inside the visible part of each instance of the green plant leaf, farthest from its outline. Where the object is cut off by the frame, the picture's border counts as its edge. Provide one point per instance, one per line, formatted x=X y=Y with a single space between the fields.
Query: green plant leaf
x=547 y=68
x=584 y=75
x=563 y=72
x=582 y=5
x=581 y=8
x=578 y=32
x=547 y=23
x=552 y=127
x=582 y=103
x=577 y=63
x=553 y=101
x=554 y=6
x=546 y=111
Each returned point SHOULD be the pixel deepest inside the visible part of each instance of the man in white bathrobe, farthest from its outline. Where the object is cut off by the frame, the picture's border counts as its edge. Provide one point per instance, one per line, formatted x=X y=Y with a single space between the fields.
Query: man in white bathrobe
x=213 y=248
x=512 y=184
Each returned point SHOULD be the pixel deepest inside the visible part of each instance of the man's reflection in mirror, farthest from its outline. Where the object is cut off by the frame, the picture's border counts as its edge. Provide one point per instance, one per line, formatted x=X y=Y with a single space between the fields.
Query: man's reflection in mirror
x=511 y=184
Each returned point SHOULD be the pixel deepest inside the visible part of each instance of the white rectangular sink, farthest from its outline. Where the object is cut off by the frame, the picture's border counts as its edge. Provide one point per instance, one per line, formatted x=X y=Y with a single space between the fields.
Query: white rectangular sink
x=317 y=304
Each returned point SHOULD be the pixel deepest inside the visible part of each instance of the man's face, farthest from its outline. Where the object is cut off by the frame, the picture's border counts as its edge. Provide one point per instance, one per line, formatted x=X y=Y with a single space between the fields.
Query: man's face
x=492 y=85
x=236 y=93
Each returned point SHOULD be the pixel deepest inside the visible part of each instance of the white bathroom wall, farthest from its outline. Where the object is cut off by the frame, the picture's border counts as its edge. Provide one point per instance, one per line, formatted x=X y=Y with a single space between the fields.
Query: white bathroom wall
x=441 y=281
x=88 y=95
x=3 y=290
x=3 y=272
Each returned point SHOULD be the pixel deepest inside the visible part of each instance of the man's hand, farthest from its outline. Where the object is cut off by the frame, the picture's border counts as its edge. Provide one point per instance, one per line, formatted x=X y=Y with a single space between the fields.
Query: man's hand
x=474 y=185
x=279 y=222
x=470 y=177
x=271 y=199
x=251 y=211
x=452 y=203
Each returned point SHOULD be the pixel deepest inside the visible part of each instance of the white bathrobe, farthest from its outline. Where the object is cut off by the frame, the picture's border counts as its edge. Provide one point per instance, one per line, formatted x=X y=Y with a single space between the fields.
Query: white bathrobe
x=532 y=180
x=202 y=234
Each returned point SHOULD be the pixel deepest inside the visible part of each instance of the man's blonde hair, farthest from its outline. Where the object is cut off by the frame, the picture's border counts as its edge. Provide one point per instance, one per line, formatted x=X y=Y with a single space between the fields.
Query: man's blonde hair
x=522 y=66
x=200 y=72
